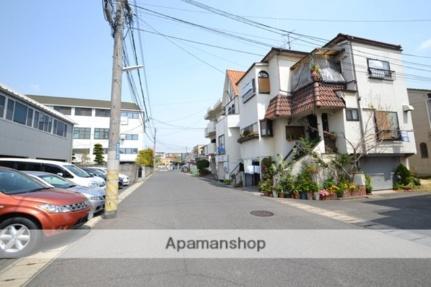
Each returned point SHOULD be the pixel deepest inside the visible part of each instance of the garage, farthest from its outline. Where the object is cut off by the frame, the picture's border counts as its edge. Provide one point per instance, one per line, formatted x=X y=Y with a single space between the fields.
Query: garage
x=381 y=170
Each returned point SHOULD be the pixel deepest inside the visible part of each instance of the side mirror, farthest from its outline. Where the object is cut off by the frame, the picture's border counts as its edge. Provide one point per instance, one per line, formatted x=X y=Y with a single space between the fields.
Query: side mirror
x=60 y=174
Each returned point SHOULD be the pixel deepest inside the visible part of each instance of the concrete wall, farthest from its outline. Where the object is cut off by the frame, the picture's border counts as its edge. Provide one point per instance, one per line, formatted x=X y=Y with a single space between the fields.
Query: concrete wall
x=23 y=141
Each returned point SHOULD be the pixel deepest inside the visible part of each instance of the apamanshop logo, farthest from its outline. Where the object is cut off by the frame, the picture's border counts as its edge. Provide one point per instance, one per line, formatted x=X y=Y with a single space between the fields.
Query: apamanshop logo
x=215 y=244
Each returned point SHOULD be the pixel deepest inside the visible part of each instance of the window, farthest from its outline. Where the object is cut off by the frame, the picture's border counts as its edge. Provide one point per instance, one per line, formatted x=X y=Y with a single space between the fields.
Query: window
x=250 y=130
x=295 y=133
x=131 y=137
x=82 y=133
x=101 y=134
x=231 y=109
x=249 y=91
x=45 y=123
x=221 y=142
x=29 y=117
x=352 y=115
x=2 y=105
x=36 y=120
x=63 y=110
x=9 y=110
x=103 y=113
x=387 y=127
x=83 y=112
x=81 y=151
x=20 y=114
x=424 y=150
x=263 y=78
x=266 y=128
x=379 y=69
x=128 y=150
x=60 y=128
x=130 y=115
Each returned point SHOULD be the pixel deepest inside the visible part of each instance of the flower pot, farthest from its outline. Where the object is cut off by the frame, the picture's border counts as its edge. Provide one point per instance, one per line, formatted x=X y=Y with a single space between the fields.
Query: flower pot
x=295 y=195
x=316 y=195
x=274 y=194
x=309 y=195
x=303 y=195
x=281 y=195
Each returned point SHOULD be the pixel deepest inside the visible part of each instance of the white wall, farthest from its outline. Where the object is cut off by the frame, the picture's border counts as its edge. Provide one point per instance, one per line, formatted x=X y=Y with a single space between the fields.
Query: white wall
x=23 y=141
x=128 y=126
x=386 y=95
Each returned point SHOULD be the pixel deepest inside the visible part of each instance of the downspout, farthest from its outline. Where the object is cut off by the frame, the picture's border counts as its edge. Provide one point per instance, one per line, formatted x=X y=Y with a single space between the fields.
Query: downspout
x=358 y=100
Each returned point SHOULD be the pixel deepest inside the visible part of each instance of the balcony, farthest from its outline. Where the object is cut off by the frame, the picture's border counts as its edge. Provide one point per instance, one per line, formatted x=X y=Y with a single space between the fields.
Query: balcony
x=233 y=121
x=210 y=129
x=211 y=149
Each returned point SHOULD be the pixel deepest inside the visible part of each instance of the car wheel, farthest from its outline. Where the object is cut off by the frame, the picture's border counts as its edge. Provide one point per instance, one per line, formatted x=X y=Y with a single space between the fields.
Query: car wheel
x=19 y=236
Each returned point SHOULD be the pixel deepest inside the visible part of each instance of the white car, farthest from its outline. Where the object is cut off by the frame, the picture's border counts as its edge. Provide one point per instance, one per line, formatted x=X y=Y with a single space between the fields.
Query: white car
x=124 y=178
x=63 y=169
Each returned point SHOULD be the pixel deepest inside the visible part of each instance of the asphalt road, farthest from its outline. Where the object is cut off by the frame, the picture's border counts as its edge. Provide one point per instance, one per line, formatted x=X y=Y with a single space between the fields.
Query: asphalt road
x=171 y=200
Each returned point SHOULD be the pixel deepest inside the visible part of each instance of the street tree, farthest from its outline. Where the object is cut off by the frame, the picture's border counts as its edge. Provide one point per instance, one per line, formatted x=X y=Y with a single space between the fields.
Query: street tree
x=145 y=157
x=98 y=153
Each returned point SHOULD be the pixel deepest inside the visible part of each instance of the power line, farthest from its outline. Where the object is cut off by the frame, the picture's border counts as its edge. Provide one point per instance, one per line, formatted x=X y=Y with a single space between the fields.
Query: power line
x=186 y=51
x=175 y=126
x=199 y=43
x=303 y=19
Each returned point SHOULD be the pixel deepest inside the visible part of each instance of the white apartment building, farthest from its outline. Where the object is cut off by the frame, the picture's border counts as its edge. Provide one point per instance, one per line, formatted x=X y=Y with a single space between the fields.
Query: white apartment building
x=226 y=121
x=356 y=98
x=29 y=129
x=91 y=119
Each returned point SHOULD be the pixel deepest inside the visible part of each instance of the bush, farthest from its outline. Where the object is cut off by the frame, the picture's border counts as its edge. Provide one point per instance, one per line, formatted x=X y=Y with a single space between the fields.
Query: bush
x=404 y=179
x=304 y=183
x=227 y=181
x=202 y=164
x=265 y=186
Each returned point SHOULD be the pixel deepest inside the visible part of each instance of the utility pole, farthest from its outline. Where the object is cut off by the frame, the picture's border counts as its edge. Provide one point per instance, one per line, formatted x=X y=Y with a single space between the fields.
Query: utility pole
x=117 y=24
x=154 y=149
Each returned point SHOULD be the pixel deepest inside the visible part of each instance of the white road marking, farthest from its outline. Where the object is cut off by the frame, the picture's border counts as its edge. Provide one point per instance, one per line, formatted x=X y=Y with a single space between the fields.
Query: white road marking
x=20 y=272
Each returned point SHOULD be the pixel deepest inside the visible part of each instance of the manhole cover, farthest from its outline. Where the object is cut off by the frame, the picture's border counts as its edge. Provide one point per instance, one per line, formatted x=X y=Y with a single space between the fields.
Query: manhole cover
x=261 y=213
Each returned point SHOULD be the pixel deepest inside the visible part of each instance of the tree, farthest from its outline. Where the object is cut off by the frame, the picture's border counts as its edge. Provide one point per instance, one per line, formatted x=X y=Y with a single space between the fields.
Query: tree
x=145 y=157
x=98 y=152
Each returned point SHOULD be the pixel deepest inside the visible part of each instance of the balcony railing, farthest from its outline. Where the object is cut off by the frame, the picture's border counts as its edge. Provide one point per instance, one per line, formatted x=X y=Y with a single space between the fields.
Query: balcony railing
x=380 y=74
x=210 y=129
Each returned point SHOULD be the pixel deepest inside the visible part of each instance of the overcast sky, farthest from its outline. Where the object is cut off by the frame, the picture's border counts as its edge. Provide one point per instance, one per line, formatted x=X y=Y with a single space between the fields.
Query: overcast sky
x=64 y=48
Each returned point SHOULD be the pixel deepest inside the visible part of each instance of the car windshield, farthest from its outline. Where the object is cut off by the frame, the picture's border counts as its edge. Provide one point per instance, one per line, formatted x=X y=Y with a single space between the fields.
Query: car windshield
x=57 y=181
x=77 y=171
x=12 y=182
x=95 y=171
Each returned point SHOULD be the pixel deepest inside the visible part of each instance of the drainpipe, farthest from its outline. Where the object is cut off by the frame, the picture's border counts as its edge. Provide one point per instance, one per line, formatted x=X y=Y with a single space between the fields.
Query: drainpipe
x=358 y=100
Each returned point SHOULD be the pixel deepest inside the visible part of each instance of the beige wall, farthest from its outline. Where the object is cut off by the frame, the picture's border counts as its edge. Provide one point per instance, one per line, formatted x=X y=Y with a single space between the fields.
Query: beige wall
x=421 y=123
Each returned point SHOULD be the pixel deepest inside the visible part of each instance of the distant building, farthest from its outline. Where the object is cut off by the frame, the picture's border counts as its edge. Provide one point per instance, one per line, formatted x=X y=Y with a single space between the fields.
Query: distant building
x=420 y=163
x=92 y=126
x=31 y=130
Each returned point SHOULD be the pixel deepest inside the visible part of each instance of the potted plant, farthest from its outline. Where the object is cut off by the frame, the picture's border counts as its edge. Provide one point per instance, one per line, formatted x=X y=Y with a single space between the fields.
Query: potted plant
x=265 y=186
x=315 y=73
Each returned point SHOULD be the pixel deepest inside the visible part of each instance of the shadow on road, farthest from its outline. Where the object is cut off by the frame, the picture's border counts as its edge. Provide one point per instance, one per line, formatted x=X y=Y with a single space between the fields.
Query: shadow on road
x=412 y=212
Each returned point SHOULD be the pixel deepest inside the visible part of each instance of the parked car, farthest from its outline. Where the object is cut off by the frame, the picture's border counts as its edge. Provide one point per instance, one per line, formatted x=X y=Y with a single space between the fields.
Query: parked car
x=94 y=171
x=31 y=211
x=95 y=195
x=122 y=177
x=63 y=169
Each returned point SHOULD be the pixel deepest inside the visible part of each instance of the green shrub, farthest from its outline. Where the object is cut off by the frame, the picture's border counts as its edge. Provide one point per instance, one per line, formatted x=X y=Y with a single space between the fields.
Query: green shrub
x=227 y=181
x=265 y=185
x=403 y=178
x=304 y=183
x=202 y=164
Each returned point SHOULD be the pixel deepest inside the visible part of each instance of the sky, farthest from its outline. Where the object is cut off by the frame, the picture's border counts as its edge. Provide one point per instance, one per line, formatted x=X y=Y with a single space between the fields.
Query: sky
x=64 y=48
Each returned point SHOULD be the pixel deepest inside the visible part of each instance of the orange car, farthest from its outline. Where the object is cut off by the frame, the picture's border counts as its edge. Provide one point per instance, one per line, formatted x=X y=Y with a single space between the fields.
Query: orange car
x=30 y=210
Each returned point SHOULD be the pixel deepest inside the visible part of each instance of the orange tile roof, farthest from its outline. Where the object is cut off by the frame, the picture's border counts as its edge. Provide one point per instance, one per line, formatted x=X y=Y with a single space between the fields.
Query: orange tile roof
x=234 y=77
x=305 y=100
